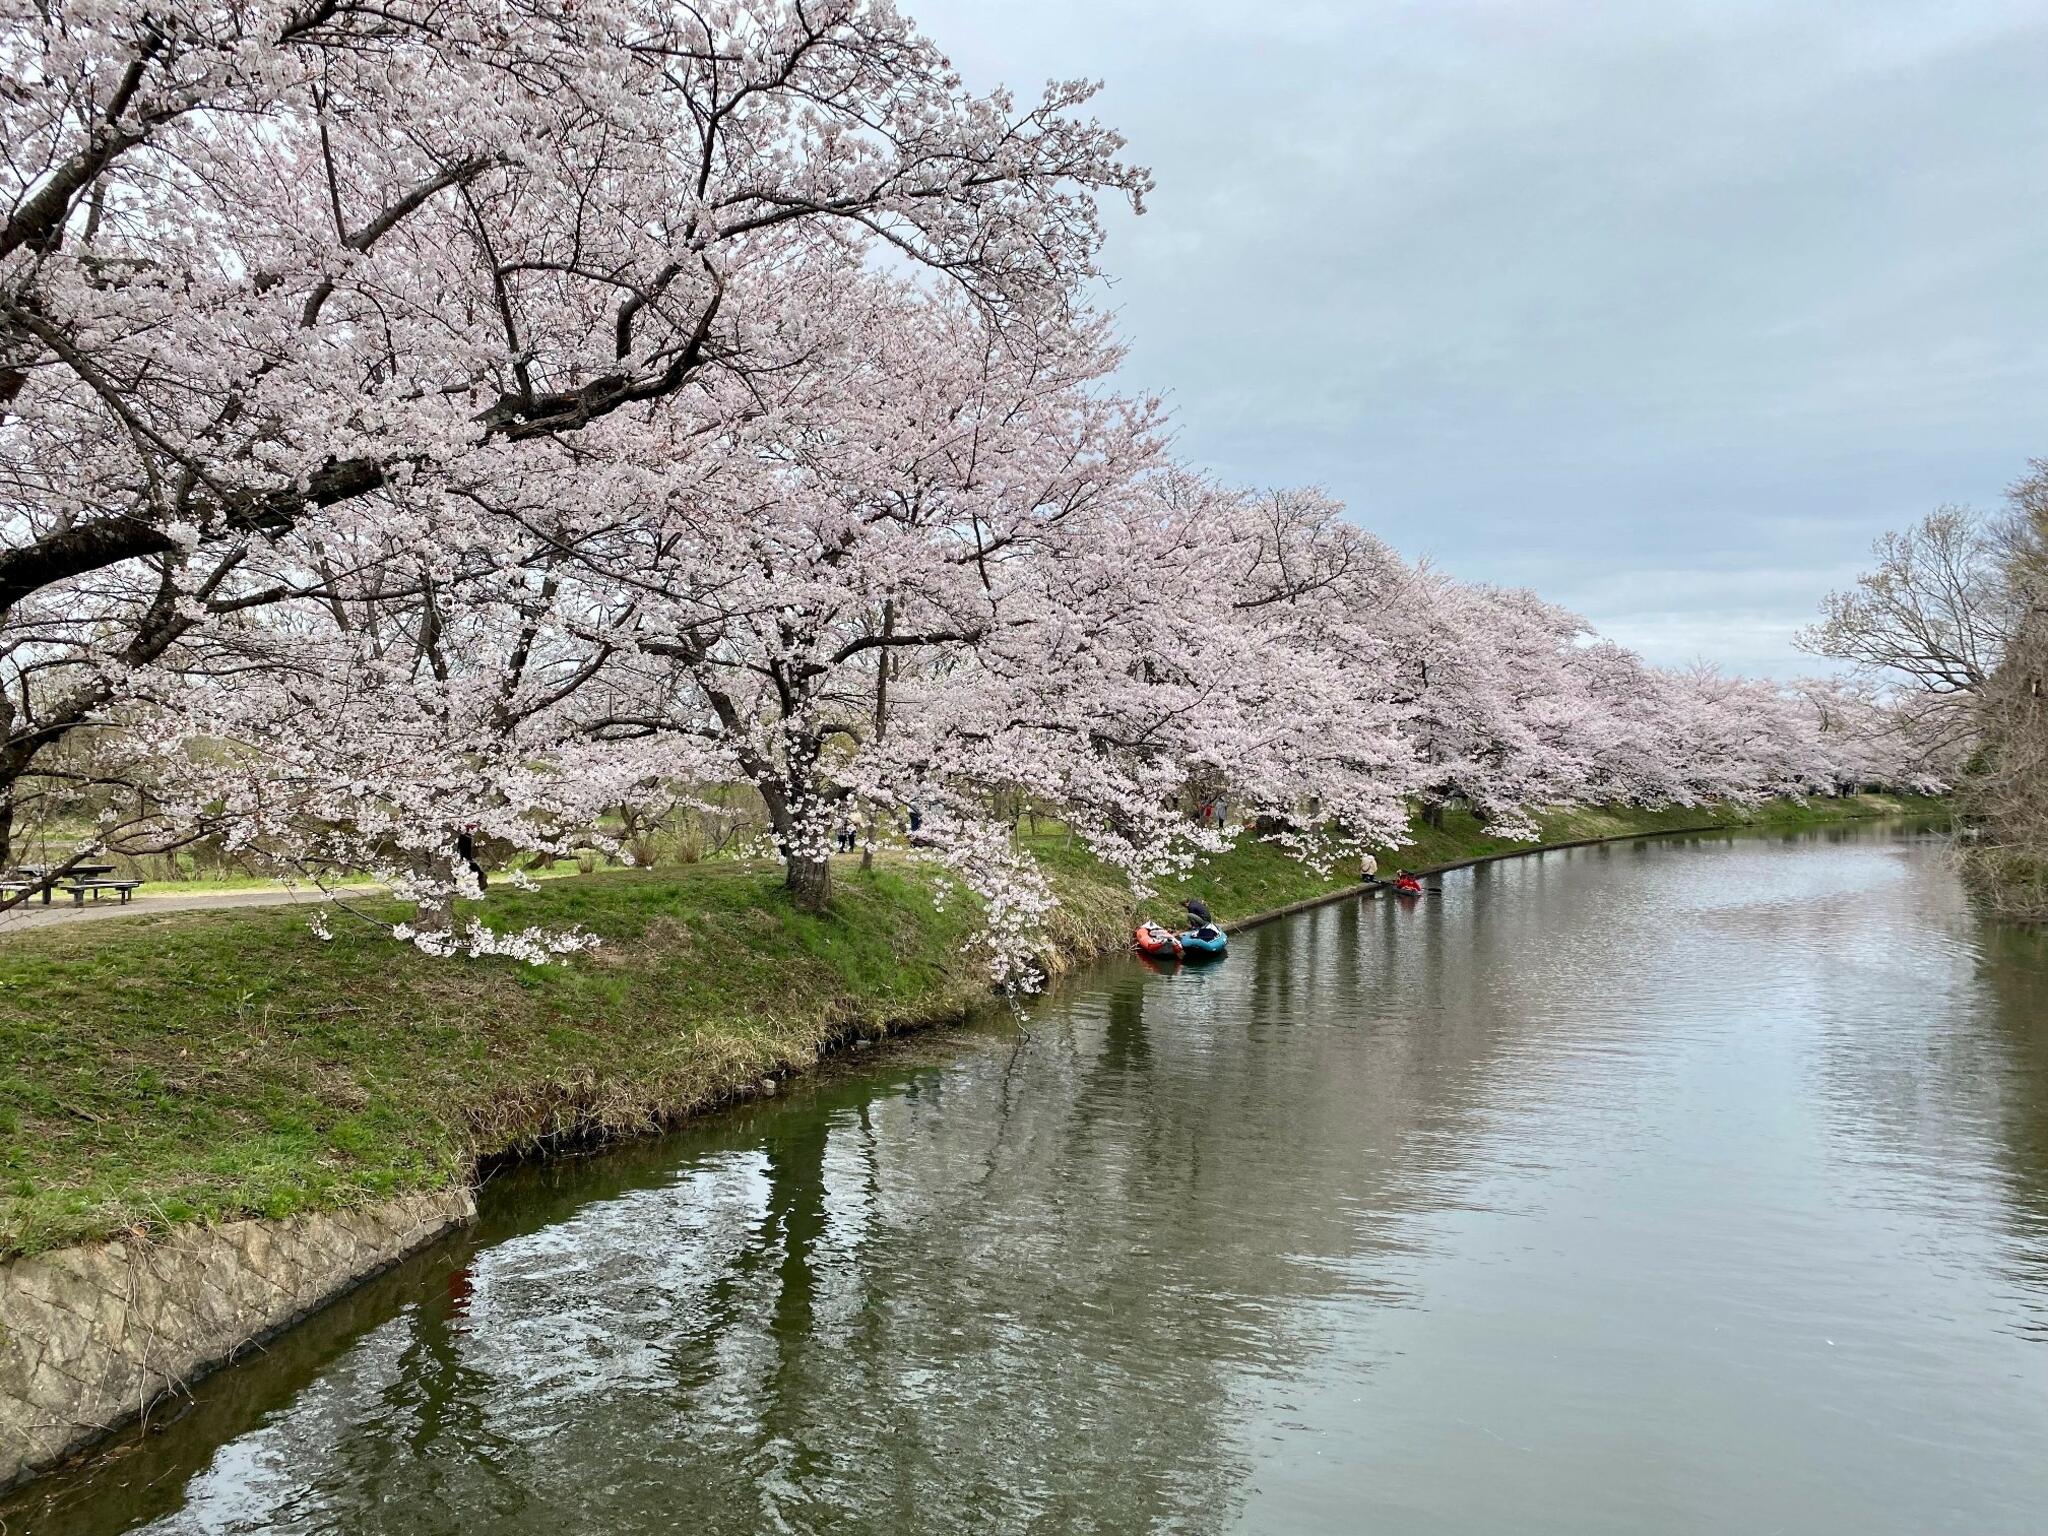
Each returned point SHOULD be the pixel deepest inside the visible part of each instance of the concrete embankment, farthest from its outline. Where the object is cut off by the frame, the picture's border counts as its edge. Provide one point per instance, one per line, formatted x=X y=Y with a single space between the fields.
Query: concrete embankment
x=94 y=1335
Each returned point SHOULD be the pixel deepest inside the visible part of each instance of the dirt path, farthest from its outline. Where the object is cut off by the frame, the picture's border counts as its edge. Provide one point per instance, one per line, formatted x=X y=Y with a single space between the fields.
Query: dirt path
x=60 y=910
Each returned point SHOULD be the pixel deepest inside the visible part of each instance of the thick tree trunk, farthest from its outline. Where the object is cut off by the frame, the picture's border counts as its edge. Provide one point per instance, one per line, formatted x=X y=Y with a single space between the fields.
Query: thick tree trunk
x=882 y=661
x=809 y=882
x=807 y=876
x=10 y=777
x=434 y=912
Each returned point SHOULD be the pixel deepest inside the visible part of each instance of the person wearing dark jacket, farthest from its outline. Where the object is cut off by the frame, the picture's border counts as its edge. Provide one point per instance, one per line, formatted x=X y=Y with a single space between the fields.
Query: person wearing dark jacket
x=1198 y=912
x=465 y=850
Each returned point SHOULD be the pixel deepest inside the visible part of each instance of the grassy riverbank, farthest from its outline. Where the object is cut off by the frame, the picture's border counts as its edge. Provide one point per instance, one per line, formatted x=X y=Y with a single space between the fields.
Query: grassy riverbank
x=190 y=1066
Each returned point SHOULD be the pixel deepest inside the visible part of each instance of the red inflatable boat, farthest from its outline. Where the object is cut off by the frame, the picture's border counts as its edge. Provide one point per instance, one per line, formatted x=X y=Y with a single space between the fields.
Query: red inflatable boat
x=1153 y=940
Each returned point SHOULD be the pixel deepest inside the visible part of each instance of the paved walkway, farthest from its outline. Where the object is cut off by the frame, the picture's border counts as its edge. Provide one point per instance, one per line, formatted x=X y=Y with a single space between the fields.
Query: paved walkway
x=60 y=910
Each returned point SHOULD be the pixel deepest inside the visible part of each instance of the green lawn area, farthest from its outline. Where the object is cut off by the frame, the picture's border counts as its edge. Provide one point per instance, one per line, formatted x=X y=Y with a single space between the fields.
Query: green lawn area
x=165 y=1068
x=158 y=1069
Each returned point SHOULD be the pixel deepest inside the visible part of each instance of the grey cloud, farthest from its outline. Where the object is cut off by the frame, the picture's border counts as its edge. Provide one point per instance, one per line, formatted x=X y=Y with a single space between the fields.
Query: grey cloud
x=1570 y=295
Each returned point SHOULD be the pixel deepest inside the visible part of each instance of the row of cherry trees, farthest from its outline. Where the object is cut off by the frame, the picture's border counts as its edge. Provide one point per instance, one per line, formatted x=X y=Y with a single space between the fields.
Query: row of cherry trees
x=436 y=420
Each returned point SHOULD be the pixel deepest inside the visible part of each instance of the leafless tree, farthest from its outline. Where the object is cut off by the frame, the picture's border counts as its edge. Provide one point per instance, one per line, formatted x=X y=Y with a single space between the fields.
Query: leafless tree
x=2013 y=788
x=1933 y=616
x=1955 y=612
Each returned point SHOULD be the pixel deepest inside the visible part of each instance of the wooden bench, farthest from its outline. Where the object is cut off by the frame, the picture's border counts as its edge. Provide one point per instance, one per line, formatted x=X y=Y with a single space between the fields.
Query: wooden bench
x=76 y=889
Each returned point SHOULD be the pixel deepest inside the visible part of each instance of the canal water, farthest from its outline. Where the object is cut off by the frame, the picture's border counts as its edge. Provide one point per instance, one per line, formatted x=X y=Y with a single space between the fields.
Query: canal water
x=1697 y=1185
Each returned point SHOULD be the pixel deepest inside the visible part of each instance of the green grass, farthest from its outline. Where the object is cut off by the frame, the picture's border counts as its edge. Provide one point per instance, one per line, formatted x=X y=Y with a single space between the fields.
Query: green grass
x=159 y=1069
x=164 y=1068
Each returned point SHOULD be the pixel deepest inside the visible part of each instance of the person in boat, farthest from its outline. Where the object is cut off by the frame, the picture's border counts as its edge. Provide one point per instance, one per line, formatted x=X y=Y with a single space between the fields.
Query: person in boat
x=1407 y=884
x=1200 y=918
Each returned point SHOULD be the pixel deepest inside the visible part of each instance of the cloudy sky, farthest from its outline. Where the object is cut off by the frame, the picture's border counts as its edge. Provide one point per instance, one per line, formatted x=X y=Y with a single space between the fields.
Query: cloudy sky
x=1666 y=310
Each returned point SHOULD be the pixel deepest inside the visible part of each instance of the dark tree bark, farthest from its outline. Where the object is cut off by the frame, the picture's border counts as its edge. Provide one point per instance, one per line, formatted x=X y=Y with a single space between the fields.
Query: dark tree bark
x=807 y=877
x=809 y=882
x=884 y=659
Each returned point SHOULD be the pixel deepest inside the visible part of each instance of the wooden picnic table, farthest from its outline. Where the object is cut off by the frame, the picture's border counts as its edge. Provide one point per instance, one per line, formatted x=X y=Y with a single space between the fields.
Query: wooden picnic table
x=76 y=881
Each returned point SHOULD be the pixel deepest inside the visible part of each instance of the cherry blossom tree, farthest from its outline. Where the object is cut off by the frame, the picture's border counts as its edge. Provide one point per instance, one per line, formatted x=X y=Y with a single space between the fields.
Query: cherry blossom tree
x=1625 y=732
x=1261 y=676
x=1862 y=736
x=786 y=543
x=1498 y=710
x=398 y=711
x=1199 y=638
x=262 y=263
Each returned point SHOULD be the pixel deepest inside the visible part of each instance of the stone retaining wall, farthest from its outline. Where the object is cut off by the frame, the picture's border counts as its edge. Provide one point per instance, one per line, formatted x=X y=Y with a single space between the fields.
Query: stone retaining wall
x=91 y=1336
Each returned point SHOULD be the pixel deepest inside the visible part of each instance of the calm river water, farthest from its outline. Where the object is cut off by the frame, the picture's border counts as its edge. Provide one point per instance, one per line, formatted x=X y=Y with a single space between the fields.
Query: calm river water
x=1687 y=1186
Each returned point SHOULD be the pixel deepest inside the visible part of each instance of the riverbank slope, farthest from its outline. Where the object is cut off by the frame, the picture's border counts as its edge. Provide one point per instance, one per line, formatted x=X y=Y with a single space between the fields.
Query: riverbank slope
x=207 y=1066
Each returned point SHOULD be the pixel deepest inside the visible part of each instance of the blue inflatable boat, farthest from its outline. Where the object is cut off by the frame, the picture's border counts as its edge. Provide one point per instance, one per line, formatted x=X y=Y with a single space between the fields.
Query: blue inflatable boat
x=1204 y=943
